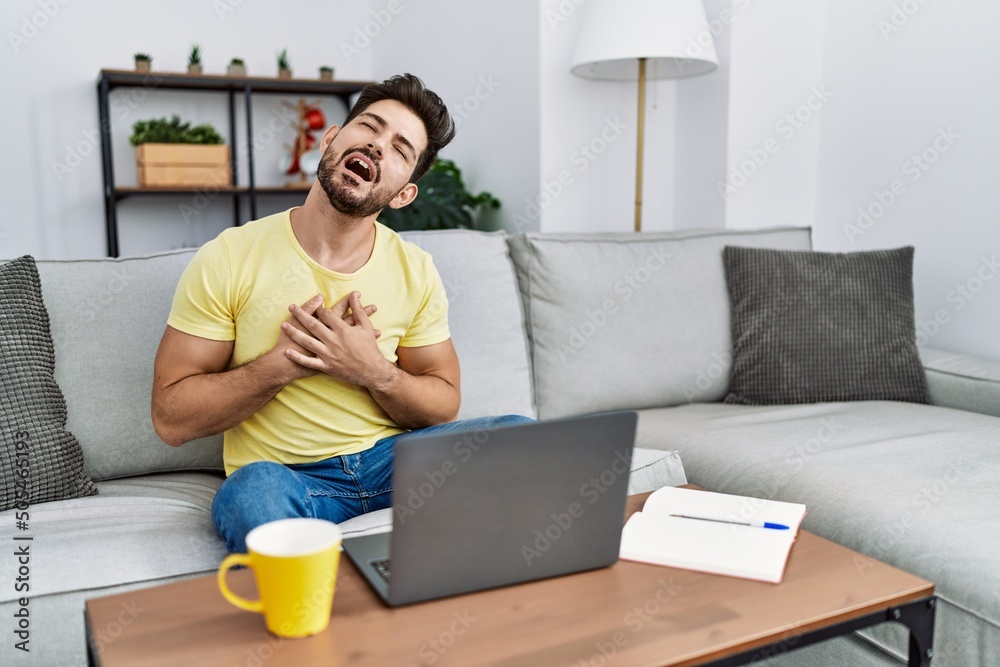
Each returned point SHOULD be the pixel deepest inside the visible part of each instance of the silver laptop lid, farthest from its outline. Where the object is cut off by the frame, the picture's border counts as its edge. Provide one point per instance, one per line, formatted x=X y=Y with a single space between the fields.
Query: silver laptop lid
x=486 y=508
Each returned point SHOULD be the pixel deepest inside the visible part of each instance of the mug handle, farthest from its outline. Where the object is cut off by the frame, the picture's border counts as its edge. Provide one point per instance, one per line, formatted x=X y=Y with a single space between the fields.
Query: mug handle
x=228 y=562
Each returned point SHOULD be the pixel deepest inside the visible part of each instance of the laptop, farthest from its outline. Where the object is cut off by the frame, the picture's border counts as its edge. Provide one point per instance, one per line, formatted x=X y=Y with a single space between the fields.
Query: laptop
x=474 y=510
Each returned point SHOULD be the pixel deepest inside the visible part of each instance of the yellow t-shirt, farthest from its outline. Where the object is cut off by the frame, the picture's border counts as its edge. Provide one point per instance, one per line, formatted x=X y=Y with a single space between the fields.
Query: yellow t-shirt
x=238 y=287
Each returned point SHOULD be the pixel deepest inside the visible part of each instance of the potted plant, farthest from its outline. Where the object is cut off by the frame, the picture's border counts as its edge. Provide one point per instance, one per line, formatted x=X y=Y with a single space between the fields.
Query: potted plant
x=443 y=202
x=284 y=67
x=172 y=153
x=236 y=67
x=326 y=73
x=194 y=60
x=143 y=62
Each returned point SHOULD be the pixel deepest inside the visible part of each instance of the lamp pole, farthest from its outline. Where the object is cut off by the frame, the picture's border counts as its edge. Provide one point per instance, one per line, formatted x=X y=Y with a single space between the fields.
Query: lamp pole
x=638 y=148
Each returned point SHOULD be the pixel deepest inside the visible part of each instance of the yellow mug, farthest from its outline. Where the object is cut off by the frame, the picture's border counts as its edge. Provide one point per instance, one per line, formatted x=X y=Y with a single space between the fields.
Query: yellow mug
x=295 y=565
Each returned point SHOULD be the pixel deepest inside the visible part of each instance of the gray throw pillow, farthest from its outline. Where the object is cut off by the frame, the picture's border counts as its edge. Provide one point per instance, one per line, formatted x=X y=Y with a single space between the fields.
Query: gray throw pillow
x=39 y=459
x=813 y=327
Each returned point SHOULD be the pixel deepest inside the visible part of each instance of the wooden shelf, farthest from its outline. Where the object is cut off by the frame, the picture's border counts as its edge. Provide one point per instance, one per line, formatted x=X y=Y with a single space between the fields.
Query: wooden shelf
x=125 y=192
x=224 y=82
x=231 y=86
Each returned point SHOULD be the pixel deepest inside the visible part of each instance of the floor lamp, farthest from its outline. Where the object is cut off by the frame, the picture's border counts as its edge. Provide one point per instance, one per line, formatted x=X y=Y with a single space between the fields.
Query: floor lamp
x=622 y=40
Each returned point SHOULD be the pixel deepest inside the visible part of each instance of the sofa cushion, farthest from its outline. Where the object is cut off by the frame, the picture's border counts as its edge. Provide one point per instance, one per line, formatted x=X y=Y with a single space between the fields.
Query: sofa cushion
x=140 y=529
x=40 y=460
x=108 y=316
x=817 y=326
x=912 y=485
x=962 y=381
x=486 y=319
x=624 y=321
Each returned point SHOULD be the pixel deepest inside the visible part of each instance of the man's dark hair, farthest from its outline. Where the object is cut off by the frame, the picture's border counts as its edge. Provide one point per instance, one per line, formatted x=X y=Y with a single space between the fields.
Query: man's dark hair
x=411 y=92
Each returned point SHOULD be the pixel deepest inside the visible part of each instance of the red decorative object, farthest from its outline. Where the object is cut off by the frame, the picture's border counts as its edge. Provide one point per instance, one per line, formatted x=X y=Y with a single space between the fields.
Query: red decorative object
x=302 y=157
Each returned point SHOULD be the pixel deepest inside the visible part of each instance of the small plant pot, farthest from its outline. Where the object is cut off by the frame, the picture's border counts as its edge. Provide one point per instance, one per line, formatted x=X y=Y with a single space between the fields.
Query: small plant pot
x=236 y=70
x=326 y=73
x=142 y=66
x=194 y=69
x=284 y=73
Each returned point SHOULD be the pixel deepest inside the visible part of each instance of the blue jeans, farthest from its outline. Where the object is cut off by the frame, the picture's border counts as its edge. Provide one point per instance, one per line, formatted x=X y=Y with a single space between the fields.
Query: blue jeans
x=335 y=489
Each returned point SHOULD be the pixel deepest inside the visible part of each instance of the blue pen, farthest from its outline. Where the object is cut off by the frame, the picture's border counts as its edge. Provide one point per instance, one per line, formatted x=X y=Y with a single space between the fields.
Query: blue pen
x=754 y=524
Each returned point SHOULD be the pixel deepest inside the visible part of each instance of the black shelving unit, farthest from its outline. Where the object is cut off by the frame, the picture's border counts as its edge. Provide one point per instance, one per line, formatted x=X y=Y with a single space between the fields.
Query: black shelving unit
x=108 y=80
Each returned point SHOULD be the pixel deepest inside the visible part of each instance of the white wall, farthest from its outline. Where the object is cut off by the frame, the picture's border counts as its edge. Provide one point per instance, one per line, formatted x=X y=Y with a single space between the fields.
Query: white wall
x=918 y=88
x=777 y=97
x=837 y=99
x=589 y=140
x=482 y=59
x=828 y=107
x=54 y=49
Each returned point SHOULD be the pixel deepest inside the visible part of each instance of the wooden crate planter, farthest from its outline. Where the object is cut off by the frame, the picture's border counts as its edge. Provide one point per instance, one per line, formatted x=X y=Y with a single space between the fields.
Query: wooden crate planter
x=161 y=165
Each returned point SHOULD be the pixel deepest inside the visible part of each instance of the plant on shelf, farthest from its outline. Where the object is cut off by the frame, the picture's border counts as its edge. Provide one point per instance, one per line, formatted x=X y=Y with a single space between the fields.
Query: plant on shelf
x=326 y=72
x=171 y=153
x=173 y=131
x=284 y=67
x=143 y=62
x=236 y=67
x=443 y=202
x=194 y=60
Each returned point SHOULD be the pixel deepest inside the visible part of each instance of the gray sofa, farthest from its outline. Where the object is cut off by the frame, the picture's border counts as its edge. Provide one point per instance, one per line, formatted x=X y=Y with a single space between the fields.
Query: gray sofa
x=547 y=326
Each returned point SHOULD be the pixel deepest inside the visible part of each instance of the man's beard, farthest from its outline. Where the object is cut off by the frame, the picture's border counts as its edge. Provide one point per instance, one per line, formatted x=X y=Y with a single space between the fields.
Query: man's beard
x=340 y=193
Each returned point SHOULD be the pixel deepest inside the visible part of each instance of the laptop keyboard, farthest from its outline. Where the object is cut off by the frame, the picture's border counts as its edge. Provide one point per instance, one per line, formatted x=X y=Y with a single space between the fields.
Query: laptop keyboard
x=382 y=567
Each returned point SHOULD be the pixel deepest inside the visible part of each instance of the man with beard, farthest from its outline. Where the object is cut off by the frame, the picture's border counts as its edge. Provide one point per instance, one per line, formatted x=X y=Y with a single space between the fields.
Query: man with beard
x=314 y=337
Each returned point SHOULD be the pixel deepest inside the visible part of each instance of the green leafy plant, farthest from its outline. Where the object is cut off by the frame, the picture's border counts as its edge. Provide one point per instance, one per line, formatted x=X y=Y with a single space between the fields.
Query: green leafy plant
x=144 y=57
x=283 y=60
x=194 y=58
x=173 y=131
x=442 y=203
x=236 y=61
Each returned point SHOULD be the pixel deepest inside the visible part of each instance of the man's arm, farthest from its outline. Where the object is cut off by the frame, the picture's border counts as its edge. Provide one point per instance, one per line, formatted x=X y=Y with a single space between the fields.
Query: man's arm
x=422 y=390
x=195 y=396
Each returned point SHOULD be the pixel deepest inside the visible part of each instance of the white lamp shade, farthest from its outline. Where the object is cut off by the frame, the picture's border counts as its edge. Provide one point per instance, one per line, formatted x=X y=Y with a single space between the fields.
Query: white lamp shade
x=673 y=35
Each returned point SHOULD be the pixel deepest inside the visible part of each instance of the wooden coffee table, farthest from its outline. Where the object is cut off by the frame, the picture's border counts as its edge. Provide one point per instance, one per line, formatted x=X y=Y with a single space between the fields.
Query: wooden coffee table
x=627 y=614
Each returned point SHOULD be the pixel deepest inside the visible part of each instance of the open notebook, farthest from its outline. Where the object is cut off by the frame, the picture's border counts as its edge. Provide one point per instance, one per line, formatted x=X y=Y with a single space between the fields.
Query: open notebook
x=654 y=536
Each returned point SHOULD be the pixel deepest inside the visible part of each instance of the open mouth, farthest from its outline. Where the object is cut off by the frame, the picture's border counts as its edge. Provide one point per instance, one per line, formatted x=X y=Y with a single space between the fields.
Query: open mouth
x=361 y=167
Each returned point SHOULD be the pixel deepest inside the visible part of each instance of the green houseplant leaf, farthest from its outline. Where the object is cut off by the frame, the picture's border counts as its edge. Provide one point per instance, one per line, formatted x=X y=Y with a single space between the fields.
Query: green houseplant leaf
x=442 y=203
x=173 y=131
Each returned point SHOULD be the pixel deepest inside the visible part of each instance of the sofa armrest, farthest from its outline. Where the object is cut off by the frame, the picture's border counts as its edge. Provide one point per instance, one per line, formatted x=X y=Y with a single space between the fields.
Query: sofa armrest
x=962 y=381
